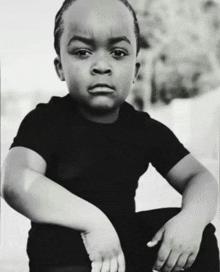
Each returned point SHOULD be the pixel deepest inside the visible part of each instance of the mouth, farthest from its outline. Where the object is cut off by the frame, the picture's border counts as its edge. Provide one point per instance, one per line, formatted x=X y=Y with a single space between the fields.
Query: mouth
x=101 y=89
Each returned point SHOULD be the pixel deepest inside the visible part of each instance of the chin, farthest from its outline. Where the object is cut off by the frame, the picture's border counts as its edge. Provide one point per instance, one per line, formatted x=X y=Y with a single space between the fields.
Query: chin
x=103 y=107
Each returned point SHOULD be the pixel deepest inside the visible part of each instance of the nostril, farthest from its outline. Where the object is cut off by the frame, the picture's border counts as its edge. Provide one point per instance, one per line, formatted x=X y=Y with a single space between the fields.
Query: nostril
x=101 y=71
x=95 y=71
x=107 y=71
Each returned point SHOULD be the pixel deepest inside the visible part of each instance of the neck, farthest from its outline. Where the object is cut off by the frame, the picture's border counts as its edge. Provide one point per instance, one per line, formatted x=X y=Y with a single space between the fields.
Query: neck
x=103 y=118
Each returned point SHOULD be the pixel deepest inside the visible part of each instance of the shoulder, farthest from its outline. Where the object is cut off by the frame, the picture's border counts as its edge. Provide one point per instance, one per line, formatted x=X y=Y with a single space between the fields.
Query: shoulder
x=143 y=119
x=153 y=133
x=41 y=128
x=55 y=104
x=46 y=119
x=55 y=109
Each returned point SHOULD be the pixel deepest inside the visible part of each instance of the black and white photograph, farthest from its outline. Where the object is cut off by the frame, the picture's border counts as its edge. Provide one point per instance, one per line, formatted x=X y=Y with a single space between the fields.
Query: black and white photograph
x=110 y=113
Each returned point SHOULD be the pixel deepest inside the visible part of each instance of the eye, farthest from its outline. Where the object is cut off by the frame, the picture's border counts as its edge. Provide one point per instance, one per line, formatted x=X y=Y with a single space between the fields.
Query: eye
x=119 y=53
x=82 y=53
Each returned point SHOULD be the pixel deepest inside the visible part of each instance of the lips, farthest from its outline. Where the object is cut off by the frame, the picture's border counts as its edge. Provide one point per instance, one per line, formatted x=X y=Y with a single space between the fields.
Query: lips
x=101 y=88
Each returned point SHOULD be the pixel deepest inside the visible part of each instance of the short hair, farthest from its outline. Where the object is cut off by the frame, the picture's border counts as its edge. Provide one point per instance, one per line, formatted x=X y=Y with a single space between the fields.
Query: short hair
x=58 y=29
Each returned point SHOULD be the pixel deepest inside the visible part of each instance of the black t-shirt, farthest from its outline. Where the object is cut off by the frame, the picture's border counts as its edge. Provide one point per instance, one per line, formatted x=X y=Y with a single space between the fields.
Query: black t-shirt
x=98 y=162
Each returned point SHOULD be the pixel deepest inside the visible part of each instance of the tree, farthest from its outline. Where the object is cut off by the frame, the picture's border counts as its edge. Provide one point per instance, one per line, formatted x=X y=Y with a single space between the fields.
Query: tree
x=183 y=54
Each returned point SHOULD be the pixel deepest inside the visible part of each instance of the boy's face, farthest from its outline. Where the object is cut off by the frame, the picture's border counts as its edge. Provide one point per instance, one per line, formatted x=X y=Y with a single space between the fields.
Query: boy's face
x=98 y=54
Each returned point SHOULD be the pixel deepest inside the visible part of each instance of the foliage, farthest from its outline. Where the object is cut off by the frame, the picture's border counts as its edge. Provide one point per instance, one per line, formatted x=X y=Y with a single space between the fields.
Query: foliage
x=183 y=46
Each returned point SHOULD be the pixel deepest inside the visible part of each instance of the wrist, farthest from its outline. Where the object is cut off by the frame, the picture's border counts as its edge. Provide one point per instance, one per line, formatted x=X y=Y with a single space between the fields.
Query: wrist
x=193 y=216
x=95 y=220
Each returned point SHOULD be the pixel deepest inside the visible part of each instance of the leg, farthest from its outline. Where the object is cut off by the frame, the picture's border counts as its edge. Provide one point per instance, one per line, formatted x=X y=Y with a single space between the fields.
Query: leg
x=61 y=269
x=151 y=221
x=208 y=256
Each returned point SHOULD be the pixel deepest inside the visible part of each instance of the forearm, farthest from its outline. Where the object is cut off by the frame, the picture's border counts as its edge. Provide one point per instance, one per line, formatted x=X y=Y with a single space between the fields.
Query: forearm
x=200 y=198
x=44 y=201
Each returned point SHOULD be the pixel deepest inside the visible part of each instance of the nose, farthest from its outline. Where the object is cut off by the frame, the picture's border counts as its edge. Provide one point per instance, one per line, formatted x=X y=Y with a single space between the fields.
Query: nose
x=101 y=67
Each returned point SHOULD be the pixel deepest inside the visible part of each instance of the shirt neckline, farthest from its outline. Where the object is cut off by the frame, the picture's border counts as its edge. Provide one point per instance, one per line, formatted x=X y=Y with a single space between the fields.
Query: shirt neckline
x=73 y=105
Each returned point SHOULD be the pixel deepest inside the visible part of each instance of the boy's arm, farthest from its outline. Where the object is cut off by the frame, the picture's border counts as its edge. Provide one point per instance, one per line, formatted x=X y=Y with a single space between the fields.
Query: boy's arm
x=27 y=190
x=198 y=188
x=181 y=236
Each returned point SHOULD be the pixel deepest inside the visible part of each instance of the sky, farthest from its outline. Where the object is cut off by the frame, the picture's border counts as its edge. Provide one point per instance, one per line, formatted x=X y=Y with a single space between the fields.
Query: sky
x=26 y=48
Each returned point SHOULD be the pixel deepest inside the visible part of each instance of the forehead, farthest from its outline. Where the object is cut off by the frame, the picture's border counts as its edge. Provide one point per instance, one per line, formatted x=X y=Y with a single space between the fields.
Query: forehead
x=98 y=18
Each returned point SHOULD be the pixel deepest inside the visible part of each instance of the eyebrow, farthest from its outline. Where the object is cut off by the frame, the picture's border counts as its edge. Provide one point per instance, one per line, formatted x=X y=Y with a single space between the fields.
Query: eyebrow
x=91 y=41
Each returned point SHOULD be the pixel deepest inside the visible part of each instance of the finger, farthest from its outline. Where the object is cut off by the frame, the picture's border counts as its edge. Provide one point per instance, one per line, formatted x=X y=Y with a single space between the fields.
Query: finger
x=181 y=263
x=114 y=265
x=152 y=243
x=162 y=256
x=190 y=261
x=171 y=261
x=96 y=266
x=121 y=263
x=157 y=237
x=105 y=265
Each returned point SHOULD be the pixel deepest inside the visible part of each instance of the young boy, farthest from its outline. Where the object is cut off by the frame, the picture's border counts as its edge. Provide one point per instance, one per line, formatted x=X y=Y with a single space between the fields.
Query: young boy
x=74 y=165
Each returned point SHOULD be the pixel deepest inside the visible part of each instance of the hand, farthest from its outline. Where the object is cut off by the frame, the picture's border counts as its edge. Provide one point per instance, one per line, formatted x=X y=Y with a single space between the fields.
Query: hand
x=181 y=238
x=104 y=249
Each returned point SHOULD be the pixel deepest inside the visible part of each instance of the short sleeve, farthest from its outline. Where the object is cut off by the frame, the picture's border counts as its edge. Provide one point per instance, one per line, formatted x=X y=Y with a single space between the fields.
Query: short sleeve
x=166 y=149
x=36 y=132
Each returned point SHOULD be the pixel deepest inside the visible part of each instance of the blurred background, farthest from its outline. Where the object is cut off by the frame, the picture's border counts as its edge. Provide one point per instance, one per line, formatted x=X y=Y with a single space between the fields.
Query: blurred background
x=178 y=84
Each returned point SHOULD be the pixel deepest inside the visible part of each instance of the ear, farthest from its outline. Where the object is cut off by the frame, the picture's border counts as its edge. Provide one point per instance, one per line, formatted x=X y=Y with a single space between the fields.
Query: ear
x=137 y=67
x=58 y=68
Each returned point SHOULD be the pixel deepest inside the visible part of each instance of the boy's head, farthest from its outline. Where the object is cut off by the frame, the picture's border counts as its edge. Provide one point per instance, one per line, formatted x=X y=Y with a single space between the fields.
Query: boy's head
x=97 y=53
x=58 y=29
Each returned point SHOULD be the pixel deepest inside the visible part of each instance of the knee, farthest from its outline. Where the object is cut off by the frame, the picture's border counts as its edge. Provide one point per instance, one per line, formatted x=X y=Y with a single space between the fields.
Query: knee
x=208 y=256
x=209 y=242
x=209 y=231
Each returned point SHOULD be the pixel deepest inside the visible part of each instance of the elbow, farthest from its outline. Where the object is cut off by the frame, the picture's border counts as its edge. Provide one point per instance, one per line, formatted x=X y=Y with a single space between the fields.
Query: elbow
x=11 y=188
x=10 y=194
x=14 y=195
x=210 y=182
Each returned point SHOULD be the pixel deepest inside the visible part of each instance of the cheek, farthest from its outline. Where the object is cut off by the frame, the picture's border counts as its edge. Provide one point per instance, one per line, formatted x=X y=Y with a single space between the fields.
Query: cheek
x=126 y=76
x=72 y=69
x=75 y=75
